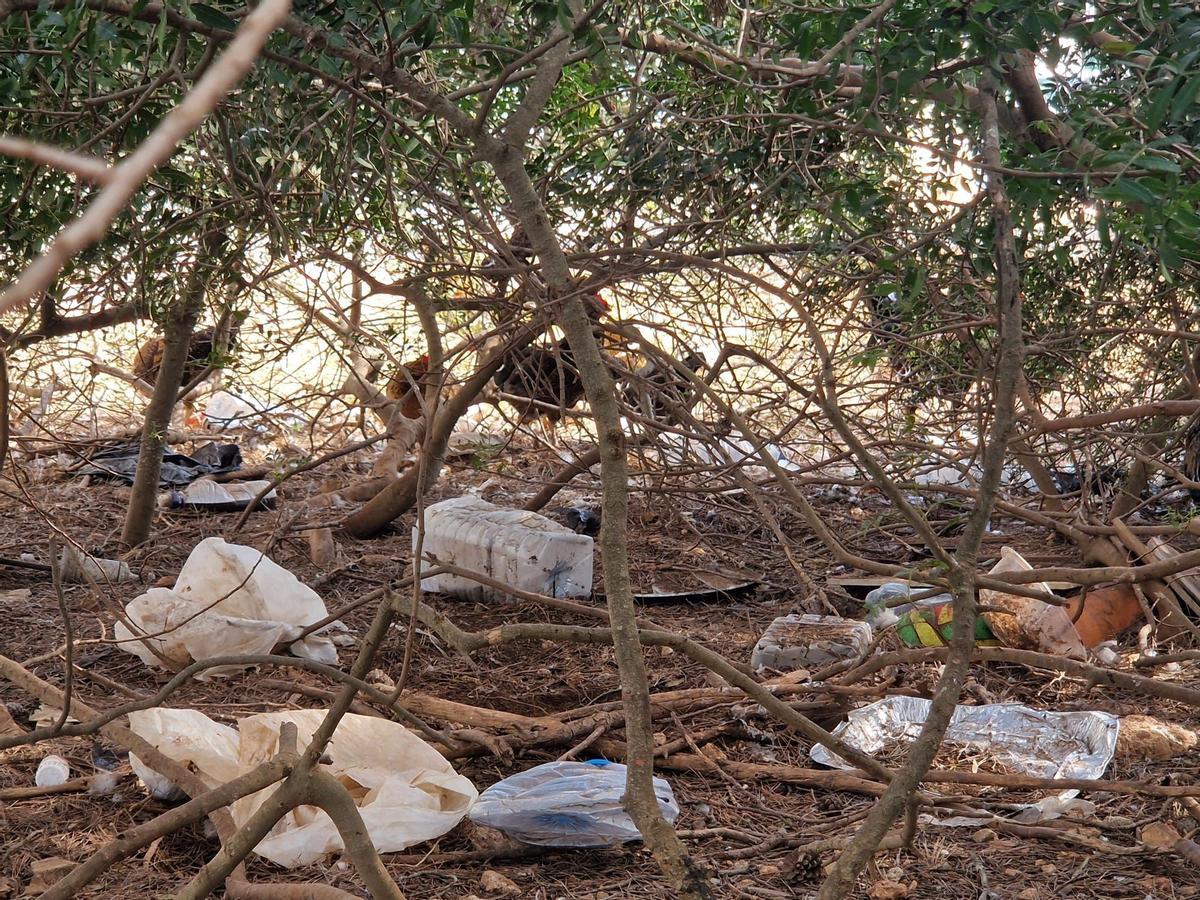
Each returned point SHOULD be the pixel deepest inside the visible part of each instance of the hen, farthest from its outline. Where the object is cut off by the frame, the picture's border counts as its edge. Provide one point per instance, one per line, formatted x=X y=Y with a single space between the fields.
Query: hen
x=149 y=357
x=400 y=386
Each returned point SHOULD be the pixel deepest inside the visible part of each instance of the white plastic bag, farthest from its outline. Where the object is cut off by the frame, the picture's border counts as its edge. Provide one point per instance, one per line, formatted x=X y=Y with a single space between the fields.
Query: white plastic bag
x=405 y=790
x=228 y=600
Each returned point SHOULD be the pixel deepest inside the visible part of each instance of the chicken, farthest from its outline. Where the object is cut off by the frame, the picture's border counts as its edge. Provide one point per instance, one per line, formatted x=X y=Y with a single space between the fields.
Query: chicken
x=656 y=390
x=546 y=375
x=1191 y=460
x=148 y=359
x=400 y=386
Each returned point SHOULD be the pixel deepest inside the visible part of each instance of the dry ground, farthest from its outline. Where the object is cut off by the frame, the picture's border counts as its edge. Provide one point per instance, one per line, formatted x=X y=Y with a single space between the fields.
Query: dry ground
x=743 y=832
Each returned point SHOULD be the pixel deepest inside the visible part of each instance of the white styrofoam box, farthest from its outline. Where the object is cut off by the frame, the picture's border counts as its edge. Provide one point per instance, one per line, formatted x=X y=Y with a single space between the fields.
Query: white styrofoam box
x=521 y=549
x=793 y=642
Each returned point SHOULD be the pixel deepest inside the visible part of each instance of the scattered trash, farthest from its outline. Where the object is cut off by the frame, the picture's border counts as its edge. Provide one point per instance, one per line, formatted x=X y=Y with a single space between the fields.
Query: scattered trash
x=1026 y=741
x=521 y=549
x=468 y=443
x=1147 y=738
x=103 y=758
x=229 y=412
x=51 y=771
x=77 y=568
x=1106 y=654
x=406 y=792
x=45 y=873
x=1107 y=613
x=228 y=599
x=45 y=716
x=797 y=641
x=1028 y=623
x=210 y=496
x=104 y=783
x=923 y=623
x=581 y=520
x=711 y=594
x=120 y=463
x=566 y=804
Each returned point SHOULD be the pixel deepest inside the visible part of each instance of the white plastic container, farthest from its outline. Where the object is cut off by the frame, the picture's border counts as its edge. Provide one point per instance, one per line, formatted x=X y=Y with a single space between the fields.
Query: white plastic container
x=522 y=549
x=51 y=771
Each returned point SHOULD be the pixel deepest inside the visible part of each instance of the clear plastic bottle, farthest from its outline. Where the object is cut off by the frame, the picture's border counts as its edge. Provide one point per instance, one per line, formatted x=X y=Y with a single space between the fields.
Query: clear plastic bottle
x=922 y=623
x=566 y=804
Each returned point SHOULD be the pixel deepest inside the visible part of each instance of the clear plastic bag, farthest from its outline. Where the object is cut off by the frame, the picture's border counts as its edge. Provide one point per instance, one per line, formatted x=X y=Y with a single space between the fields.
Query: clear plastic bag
x=566 y=804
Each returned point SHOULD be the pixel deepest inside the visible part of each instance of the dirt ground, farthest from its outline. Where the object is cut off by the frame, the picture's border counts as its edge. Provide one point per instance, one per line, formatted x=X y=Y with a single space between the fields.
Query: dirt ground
x=745 y=832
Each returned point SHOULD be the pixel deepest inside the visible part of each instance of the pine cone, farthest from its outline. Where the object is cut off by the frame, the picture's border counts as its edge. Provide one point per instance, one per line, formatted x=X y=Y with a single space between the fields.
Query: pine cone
x=805 y=867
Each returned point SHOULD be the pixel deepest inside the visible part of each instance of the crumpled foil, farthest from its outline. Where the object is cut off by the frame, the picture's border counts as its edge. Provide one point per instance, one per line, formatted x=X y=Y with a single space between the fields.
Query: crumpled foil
x=1032 y=742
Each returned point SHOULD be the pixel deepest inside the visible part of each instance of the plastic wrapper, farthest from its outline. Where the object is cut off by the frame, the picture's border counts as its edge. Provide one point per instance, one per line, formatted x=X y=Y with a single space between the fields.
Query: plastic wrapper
x=567 y=804
x=793 y=642
x=228 y=600
x=1028 y=623
x=924 y=623
x=1028 y=741
x=406 y=792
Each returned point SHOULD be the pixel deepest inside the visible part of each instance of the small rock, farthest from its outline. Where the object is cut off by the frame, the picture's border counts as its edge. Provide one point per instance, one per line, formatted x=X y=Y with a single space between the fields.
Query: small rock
x=1049 y=868
x=886 y=889
x=493 y=882
x=380 y=678
x=321 y=548
x=45 y=873
x=984 y=836
x=1028 y=894
x=768 y=870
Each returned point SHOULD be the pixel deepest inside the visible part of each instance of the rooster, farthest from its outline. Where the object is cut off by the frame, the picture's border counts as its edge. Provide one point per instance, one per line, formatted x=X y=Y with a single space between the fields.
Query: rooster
x=149 y=357
x=400 y=386
x=546 y=375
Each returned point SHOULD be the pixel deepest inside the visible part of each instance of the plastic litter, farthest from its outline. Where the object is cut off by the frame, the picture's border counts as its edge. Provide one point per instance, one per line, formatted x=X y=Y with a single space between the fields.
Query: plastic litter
x=1028 y=623
x=923 y=623
x=228 y=599
x=566 y=804
x=209 y=496
x=120 y=463
x=405 y=790
x=521 y=549
x=800 y=641
x=1029 y=741
x=78 y=568
x=52 y=770
x=1107 y=612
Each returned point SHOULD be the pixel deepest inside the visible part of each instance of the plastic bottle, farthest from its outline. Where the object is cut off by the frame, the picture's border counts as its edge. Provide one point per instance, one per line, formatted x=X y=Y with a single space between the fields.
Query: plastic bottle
x=922 y=623
x=522 y=549
x=566 y=804
x=51 y=771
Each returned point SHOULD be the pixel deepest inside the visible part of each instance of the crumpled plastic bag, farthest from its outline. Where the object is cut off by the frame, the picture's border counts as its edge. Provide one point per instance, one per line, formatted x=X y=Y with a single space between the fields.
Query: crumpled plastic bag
x=228 y=600
x=1030 y=741
x=567 y=804
x=406 y=792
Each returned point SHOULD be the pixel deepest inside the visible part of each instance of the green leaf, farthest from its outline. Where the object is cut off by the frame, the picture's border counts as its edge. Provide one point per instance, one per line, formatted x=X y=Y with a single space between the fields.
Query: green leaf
x=1129 y=190
x=1158 y=108
x=213 y=18
x=1185 y=99
x=1157 y=164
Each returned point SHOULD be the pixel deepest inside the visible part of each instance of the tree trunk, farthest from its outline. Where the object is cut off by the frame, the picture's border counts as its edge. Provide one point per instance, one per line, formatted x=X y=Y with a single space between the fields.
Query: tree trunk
x=640 y=800
x=140 y=514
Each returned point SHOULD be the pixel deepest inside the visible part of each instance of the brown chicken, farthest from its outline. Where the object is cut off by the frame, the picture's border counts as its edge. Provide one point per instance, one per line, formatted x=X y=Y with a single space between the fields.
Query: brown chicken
x=547 y=375
x=148 y=359
x=400 y=387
